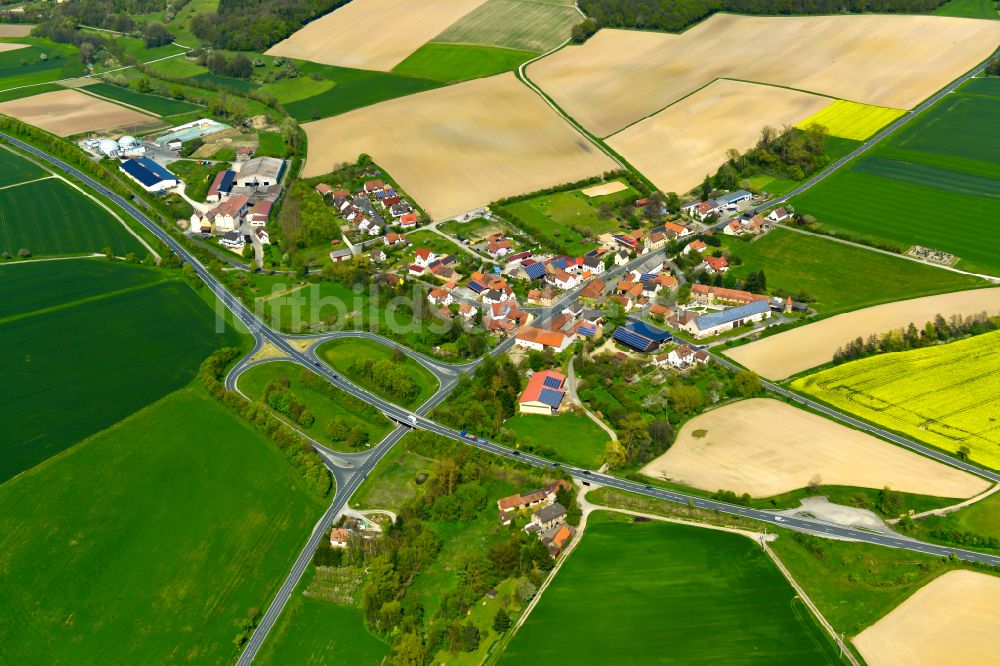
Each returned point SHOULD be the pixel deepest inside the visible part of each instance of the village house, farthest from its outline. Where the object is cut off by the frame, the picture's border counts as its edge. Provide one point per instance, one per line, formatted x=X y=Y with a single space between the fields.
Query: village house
x=695 y=246
x=557 y=539
x=701 y=209
x=377 y=256
x=499 y=248
x=621 y=258
x=343 y=254
x=257 y=216
x=262 y=236
x=232 y=240
x=539 y=339
x=522 y=501
x=593 y=290
x=779 y=214
x=424 y=256
x=228 y=215
x=395 y=239
x=408 y=221
x=704 y=293
x=466 y=311
x=324 y=190
x=373 y=186
x=683 y=356
x=543 y=394
x=340 y=537
x=549 y=516
x=714 y=265
x=564 y=280
x=440 y=296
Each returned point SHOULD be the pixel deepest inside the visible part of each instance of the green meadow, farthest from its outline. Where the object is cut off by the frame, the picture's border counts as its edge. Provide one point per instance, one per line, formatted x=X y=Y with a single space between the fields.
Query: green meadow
x=82 y=355
x=15 y=169
x=659 y=592
x=340 y=354
x=838 y=276
x=161 y=106
x=461 y=62
x=152 y=542
x=934 y=182
x=570 y=438
x=41 y=61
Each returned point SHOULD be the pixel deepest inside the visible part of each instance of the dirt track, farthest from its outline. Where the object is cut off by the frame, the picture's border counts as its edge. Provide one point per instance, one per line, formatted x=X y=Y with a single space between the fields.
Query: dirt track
x=766 y=447
x=679 y=145
x=799 y=349
x=954 y=619
x=373 y=34
x=622 y=76
x=68 y=112
x=460 y=147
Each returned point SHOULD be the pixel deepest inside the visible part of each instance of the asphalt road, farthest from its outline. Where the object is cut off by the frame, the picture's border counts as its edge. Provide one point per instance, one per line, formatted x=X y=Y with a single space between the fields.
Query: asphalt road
x=263 y=333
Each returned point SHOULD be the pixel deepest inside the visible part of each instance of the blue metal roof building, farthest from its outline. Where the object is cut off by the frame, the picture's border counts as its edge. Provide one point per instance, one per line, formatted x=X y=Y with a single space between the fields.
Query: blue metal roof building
x=649 y=331
x=636 y=341
x=149 y=174
x=535 y=270
x=733 y=315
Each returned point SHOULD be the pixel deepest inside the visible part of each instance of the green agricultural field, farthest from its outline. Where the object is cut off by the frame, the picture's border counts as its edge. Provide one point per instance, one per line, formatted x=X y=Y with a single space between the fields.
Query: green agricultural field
x=50 y=217
x=161 y=106
x=681 y=594
x=558 y=216
x=351 y=89
x=239 y=85
x=461 y=62
x=272 y=144
x=15 y=169
x=30 y=91
x=41 y=62
x=572 y=438
x=74 y=367
x=981 y=9
x=324 y=406
x=944 y=395
x=342 y=353
x=933 y=183
x=150 y=542
x=526 y=25
x=180 y=67
x=316 y=631
x=838 y=276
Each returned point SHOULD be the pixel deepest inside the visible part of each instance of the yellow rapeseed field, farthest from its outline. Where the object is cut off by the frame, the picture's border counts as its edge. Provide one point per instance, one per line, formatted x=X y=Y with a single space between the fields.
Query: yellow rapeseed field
x=947 y=396
x=852 y=120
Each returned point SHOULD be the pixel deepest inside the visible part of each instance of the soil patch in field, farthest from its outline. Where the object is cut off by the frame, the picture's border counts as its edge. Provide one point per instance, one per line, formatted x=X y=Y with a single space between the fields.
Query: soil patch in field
x=456 y=148
x=622 y=76
x=605 y=188
x=765 y=447
x=676 y=147
x=15 y=30
x=68 y=112
x=951 y=620
x=11 y=47
x=373 y=34
x=789 y=353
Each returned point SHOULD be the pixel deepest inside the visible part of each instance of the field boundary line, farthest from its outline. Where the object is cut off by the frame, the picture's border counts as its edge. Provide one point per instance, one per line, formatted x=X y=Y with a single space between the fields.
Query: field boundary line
x=109 y=71
x=116 y=102
x=844 y=241
x=92 y=255
x=944 y=511
x=26 y=182
x=844 y=650
x=83 y=301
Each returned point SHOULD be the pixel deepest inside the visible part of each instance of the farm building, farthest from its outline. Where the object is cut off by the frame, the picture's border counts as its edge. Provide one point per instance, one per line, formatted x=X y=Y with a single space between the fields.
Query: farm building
x=523 y=501
x=221 y=186
x=640 y=336
x=733 y=199
x=149 y=174
x=260 y=172
x=549 y=516
x=725 y=320
x=543 y=394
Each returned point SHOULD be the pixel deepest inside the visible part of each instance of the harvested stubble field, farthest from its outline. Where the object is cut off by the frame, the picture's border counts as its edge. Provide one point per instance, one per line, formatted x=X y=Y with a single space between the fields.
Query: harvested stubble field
x=373 y=34
x=791 y=352
x=68 y=112
x=852 y=120
x=944 y=395
x=10 y=46
x=460 y=147
x=894 y=61
x=526 y=25
x=676 y=147
x=766 y=447
x=952 y=620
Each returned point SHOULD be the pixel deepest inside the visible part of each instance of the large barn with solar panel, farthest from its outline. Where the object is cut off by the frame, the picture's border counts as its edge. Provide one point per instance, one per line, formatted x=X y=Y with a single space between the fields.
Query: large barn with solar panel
x=544 y=393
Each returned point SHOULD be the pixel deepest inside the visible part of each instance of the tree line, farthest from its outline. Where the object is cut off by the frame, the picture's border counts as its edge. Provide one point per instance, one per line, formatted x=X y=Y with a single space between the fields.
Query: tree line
x=676 y=15
x=934 y=332
x=389 y=376
x=254 y=25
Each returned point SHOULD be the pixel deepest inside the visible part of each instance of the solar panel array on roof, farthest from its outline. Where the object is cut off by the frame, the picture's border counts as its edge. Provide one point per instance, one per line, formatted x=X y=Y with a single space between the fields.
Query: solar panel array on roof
x=552 y=382
x=587 y=330
x=226 y=183
x=633 y=339
x=156 y=168
x=477 y=288
x=535 y=270
x=732 y=314
x=648 y=331
x=550 y=397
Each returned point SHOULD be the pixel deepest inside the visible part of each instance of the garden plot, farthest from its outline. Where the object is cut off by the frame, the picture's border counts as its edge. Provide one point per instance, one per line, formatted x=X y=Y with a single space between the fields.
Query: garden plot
x=456 y=148
x=765 y=447
x=622 y=76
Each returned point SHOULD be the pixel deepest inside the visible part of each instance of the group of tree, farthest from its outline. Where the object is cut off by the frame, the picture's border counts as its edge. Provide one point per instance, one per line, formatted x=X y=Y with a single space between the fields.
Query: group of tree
x=279 y=395
x=901 y=339
x=993 y=69
x=789 y=153
x=237 y=67
x=482 y=403
x=676 y=15
x=254 y=25
x=389 y=376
